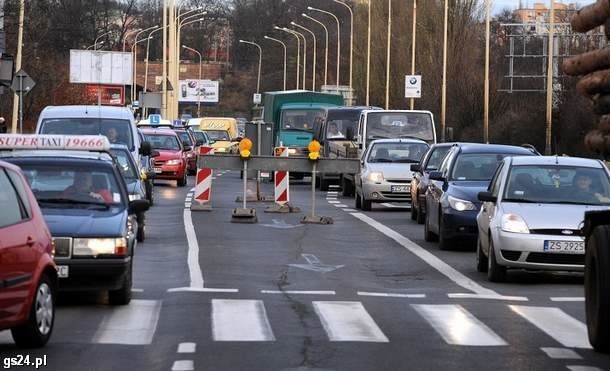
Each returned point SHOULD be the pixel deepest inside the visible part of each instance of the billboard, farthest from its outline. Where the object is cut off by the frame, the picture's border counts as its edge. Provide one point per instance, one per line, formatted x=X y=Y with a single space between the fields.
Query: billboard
x=111 y=95
x=193 y=91
x=100 y=67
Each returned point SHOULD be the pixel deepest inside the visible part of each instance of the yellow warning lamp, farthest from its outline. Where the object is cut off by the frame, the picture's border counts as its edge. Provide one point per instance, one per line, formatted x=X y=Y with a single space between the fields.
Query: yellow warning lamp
x=244 y=147
x=314 y=150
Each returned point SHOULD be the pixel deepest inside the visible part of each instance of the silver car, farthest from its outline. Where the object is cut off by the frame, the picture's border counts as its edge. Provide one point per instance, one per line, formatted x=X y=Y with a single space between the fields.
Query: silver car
x=533 y=211
x=385 y=173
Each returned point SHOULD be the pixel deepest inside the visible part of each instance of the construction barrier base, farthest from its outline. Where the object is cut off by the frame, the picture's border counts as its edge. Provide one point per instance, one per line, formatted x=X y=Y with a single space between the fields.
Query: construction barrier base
x=255 y=199
x=317 y=220
x=285 y=208
x=201 y=206
x=241 y=215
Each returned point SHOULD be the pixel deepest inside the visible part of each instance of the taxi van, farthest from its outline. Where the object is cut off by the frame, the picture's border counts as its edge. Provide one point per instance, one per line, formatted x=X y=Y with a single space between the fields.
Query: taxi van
x=85 y=203
x=222 y=130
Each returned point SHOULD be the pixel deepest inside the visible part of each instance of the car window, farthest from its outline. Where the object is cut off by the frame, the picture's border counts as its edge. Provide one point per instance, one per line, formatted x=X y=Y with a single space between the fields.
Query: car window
x=116 y=130
x=496 y=181
x=218 y=135
x=476 y=166
x=200 y=135
x=436 y=158
x=397 y=152
x=125 y=164
x=185 y=138
x=169 y=142
x=10 y=204
x=19 y=186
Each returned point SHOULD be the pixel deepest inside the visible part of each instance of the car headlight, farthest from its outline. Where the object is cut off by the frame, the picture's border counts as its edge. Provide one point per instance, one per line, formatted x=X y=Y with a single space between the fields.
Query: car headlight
x=136 y=196
x=99 y=246
x=514 y=223
x=375 y=176
x=460 y=205
x=292 y=151
x=174 y=162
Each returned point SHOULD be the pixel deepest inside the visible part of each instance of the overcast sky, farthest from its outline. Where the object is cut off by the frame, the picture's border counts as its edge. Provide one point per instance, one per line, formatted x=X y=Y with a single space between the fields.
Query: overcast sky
x=498 y=5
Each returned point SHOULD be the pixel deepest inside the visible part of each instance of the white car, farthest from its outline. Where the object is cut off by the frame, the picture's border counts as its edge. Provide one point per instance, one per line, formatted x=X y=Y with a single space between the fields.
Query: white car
x=385 y=173
x=533 y=212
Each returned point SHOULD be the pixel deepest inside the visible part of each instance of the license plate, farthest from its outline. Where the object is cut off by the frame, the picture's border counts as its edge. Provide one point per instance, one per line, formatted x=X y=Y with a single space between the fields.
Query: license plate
x=400 y=188
x=158 y=170
x=62 y=271
x=573 y=247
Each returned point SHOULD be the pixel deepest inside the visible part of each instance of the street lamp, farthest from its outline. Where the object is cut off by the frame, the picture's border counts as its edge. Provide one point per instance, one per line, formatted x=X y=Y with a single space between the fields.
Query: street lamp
x=298 y=53
x=134 y=52
x=325 y=46
x=338 y=38
x=368 y=58
x=284 y=45
x=314 y=51
x=146 y=60
x=99 y=37
x=387 y=68
x=486 y=83
x=184 y=20
x=304 y=55
x=351 y=40
x=260 y=59
x=444 y=85
x=413 y=41
x=198 y=82
x=93 y=45
x=127 y=34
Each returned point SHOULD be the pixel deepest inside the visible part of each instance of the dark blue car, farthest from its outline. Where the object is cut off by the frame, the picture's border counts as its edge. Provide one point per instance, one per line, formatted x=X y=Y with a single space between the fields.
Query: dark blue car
x=451 y=198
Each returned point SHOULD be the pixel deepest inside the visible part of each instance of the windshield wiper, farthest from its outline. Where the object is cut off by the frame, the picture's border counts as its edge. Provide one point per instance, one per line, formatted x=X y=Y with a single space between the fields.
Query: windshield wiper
x=382 y=160
x=407 y=160
x=521 y=200
x=576 y=203
x=70 y=201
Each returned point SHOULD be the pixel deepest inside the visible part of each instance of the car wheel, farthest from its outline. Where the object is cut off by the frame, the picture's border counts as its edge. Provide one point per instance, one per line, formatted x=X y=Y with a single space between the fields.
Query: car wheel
x=481 y=258
x=140 y=234
x=429 y=236
x=37 y=330
x=150 y=193
x=421 y=214
x=122 y=296
x=597 y=288
x=495 y=272
x=358 y=202
x=413 y=211
x=182 y=182
x=366 y=204
x=444 y=243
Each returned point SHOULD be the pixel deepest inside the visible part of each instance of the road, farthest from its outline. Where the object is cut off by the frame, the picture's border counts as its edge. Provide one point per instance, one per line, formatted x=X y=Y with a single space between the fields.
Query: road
x=365 y=293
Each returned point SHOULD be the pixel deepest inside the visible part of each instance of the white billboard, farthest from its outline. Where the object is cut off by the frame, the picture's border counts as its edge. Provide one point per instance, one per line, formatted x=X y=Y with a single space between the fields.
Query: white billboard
x=101 y=67
x=413 y=86
x=193 y=91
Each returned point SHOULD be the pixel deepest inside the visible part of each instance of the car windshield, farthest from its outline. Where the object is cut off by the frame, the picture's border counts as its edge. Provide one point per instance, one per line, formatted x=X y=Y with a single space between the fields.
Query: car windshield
x=339 y=122
x=557 y=184
x=218 y=135
x=436 y=158
x=185 y=138
x=476 y=166
x=200 y=135
x=301 y=119
x=75 y=183
x=397 y=152
x=125 y=164
x=159 y=141
x=399 y=125
x=116 y=130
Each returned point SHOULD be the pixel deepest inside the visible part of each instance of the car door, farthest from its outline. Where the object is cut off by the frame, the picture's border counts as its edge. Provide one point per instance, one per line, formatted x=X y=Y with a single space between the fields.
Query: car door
x=489 y=209
x=363 y=168
x=435 y=192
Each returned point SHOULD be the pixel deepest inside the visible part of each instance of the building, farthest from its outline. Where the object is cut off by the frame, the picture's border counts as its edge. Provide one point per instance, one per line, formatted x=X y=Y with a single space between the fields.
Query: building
x=539 y=13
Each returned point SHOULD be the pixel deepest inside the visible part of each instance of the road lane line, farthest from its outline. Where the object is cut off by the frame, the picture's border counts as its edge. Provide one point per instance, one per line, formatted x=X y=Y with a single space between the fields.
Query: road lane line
x=457 y=326
x=391 y=295
x=565 y=329
x=490 y=297
x=348 y=321
x=334 y=202
x=436 y=263
x=183 y=365
x=298 y=292
x=566 y=298
x=240 y=320
x=187 y=347
x=561 y=353
x=200 y=289
x=349 y=210
x=133 y=324
x=583 y=368
x=195 y=273
x=340 y=205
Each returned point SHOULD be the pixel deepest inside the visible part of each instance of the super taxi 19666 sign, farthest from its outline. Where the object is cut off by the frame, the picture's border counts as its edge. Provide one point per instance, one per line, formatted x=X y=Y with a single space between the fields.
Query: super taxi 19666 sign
x=61 y=142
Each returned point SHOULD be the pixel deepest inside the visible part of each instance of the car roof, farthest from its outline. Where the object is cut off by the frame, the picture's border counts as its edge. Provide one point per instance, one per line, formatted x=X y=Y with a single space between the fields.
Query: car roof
x=8 y=165
x=159 y=131
x=352 y=108
x=107 y=112
x=58 y=154
x=395 y=111
x=492 y=148
x=556 y=160
x=398 y=140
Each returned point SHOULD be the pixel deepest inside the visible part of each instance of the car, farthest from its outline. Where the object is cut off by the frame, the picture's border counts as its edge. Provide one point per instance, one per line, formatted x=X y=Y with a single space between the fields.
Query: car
x=202 y=136
x=188 y=140
x=171 y=164
x=533 y=213
x=84 y=201
x=385 y=175
x=451 y=197
x=419 y=184
x=28 y=274
x=136 y=187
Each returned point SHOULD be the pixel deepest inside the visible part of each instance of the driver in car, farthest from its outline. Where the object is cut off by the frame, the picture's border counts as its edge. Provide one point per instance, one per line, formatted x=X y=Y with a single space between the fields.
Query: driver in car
x=83 y=187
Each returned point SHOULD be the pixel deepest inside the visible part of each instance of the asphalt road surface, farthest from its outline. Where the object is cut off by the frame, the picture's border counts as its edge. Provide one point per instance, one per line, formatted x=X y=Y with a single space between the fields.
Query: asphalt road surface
x=364 y=293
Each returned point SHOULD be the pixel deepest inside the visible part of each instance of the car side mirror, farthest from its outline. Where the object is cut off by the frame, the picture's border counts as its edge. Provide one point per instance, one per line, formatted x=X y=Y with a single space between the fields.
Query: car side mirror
x=145 y=149
x=486 y=197
x=155 y=153
x=187 y=148
x=238 y=139
x=437 y=175
x=416 y=168
x=138 y=206
x=199 y=142
x=212 y=141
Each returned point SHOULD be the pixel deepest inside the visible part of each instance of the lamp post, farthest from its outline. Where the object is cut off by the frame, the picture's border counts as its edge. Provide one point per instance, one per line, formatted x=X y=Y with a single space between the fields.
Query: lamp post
x=351 y=39
x=413 y=41
x=314 y=52
x=99 y=37
x=260 y=59
x=368 y=58
x=134 y=52
x=486 y=84
x=150 y=37
x=17 y=101
x=338 y=38
x=93 y=45
x=304 y=55
x=325 y=46
x=164 y=63
x=549 y=82
x=387 y=68
x=198 y=91
x=284 y=45
x=444 y=86
x=127 y=34
x=298 y=53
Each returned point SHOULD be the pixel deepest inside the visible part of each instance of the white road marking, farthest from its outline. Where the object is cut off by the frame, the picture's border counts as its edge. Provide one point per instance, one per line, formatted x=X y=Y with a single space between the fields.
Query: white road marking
x=334 y=198
x=340 y=205
x=436 y=263
x=183 y=365
x=200 y=289
x=457 y=326
x=566 y=330
x=390 y=294
x=349 y=210
x=334 y=202
x=192 y=189
x=348 y=321
x=391 y=205
x=566 y=298
x=583 y=368
x=195 y=273
x=188 y=199
x=490 y=297
x=187 y=347
x=240 y=320
x=133 y=324
x=561 y=353
x=187 y=205
x=298 y=292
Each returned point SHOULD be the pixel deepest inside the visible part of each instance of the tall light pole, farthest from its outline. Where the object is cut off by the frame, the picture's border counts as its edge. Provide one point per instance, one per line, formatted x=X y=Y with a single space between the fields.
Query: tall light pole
x=549 y=82
x=325 y=46
x=93 y=45
x=260 y=59
x=17 y=103
x=351 y=40
x=199 y=91
x=413 y=41
x=164 y=63
x=127 y=34
x=368 y=58
x=444 y=85
x=99 y=37
x=314 y=52
x=486 y=86
x=303 y=86
x=338 y=38
x=150 y=37
x=387 y=68
x=298 y=53
x=284 y=45
x=134 y=52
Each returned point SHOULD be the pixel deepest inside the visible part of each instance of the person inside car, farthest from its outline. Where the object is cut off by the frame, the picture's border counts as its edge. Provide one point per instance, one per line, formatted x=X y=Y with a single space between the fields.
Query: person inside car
x=585 y=191
x=113 y=135
x=83 y=188
x=333 y=131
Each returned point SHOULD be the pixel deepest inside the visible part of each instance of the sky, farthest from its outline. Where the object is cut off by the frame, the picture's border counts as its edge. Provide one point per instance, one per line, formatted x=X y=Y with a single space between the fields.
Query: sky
x=498 y=5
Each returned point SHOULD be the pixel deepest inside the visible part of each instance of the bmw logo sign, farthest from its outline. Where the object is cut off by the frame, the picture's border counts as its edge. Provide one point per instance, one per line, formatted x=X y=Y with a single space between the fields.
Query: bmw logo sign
x=413 y=81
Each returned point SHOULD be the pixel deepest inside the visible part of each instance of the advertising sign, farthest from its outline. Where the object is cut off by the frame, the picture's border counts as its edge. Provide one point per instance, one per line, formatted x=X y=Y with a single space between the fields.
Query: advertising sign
x=100 y=67
x=193 y=91
x=413 y=86
x=111 y=95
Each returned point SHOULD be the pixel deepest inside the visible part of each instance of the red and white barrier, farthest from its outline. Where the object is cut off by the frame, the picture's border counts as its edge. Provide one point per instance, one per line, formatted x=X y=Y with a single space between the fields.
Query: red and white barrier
x=203 y=185
x=282 y=182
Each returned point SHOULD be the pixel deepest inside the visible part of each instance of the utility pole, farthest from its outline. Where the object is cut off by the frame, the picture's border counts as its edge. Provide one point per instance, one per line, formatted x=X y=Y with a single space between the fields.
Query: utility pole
x=549 y=82
x=486 y=88
x=16 y=99
x=164 y=64
x=414 y=40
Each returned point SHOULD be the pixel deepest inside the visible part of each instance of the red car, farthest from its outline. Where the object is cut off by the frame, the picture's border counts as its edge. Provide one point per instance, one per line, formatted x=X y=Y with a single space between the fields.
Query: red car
x=171 y=163
x=188 y=139
x=28 y=276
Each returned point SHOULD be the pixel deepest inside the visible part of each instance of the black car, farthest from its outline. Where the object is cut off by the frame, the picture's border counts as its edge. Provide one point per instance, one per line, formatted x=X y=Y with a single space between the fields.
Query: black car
x=451 y=198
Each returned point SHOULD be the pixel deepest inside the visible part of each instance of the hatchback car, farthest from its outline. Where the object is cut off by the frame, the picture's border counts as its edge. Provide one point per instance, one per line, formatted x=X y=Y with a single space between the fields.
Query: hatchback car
x=189 y=140
x=385 y=175
x=171 y=164
x=533 y=212
x=451 y=198
x=28 y=278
